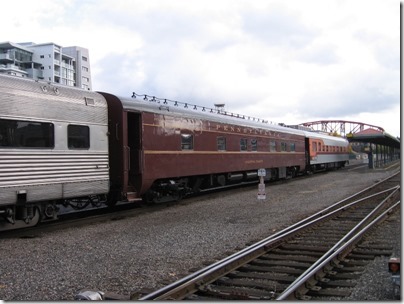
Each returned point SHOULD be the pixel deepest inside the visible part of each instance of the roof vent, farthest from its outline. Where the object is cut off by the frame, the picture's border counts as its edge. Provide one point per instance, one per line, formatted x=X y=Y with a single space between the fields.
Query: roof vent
x=89 y=101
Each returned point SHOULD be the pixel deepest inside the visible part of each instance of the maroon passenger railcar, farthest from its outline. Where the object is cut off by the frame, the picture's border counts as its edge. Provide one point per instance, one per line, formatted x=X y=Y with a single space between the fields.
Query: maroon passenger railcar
x=161 y=152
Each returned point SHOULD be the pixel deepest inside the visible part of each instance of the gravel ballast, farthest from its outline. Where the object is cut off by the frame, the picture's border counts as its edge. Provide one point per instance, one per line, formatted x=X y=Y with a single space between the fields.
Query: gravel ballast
x=149 y=251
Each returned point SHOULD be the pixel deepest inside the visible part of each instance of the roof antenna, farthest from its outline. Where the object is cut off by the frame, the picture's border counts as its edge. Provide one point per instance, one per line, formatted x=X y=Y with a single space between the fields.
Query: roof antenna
x=219 y=107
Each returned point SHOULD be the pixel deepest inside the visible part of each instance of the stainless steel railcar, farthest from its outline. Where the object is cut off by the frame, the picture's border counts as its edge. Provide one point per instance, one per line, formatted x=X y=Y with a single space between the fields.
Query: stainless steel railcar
x=53 y=149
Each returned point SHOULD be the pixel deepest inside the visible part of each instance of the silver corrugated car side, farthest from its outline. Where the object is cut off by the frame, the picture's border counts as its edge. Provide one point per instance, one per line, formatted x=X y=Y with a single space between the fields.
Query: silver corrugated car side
x=57 y=172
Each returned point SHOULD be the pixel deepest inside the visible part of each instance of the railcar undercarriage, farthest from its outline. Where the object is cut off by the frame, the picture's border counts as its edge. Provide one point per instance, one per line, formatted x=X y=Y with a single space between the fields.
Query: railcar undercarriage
x=29 y=215
x=327 y=166
x=167 y=190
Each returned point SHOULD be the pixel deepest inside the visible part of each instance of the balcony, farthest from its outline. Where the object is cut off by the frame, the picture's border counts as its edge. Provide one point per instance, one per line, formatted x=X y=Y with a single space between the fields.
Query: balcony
x=11 y=67
x=67 y=66
x=6 y=56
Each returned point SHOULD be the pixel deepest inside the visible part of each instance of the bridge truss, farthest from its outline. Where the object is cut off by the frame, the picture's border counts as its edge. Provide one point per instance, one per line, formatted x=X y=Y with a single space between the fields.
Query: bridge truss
x=340 y=127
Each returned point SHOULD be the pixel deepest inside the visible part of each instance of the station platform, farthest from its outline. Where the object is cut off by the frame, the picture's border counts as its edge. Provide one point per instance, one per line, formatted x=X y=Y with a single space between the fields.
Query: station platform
x=382 y=147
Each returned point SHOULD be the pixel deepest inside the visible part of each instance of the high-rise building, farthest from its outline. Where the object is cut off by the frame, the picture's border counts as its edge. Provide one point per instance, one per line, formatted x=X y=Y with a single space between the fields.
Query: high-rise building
x=82 y=65
x=48 y=61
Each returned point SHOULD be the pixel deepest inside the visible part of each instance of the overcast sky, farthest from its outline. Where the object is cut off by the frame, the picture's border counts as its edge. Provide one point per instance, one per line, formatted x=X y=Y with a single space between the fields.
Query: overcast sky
x=283 y=61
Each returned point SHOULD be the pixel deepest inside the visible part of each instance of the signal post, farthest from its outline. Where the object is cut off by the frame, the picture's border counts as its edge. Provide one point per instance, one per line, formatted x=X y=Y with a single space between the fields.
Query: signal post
x=261 y=186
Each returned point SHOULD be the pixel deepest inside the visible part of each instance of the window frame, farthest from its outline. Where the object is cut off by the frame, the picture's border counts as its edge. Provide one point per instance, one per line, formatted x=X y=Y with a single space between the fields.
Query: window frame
x=27 y=134
x=284 y=146
x=254 y=144
x=187 y=142
x=272 y=146
x=86 y=137
x=221 y=143
x=243 y=144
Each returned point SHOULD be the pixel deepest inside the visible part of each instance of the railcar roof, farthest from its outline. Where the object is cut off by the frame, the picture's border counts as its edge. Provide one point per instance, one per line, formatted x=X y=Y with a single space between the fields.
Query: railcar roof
x=50 y=90
x=200 y=113
x=324 y=136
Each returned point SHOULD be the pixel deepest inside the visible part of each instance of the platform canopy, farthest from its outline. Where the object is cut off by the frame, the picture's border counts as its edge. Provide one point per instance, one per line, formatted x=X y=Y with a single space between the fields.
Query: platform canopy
x=375 y=137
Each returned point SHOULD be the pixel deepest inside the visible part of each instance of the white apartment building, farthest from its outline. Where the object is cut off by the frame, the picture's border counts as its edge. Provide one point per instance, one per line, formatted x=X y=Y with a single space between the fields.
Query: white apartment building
x=82 y=65
x=56 y=66
x=48 y=61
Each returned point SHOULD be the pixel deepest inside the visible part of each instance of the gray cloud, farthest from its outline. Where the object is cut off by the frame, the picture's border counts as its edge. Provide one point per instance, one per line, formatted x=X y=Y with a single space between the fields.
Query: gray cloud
x=348 y=101
x=278 y=27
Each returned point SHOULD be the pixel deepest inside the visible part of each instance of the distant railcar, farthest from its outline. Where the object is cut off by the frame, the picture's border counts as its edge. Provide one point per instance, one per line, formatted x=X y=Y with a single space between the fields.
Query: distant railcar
x=325 y=151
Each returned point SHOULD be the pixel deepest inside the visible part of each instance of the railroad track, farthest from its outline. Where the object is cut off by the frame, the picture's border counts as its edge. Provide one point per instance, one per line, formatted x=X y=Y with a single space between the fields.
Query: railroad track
x=316 y=257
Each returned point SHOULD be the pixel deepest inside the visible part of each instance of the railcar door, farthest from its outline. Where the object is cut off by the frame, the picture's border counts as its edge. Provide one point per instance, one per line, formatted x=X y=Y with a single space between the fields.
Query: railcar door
x=307 y=153
x=134 y=147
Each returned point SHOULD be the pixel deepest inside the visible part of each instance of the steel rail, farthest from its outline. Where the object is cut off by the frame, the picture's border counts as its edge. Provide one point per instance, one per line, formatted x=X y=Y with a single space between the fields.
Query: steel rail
x=342 y=245
x=191 y=282
x=194 y=280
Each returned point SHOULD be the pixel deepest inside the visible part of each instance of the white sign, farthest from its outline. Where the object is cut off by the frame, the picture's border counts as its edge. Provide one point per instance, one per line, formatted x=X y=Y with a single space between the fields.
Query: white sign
x=262 y=172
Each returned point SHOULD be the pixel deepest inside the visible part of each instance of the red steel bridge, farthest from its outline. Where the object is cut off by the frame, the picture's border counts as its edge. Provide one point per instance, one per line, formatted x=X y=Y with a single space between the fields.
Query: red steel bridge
x=340 y=127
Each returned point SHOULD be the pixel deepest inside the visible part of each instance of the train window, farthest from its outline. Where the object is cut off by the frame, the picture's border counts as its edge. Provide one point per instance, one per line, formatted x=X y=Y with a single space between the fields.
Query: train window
x=272 y=146
x=221 y=143
x=283 y=147
x=78 y=137
x=26 y=134
x=292 y=147
x=314 y=147
x=243 y=144
x=187 y=142
x=254 y=145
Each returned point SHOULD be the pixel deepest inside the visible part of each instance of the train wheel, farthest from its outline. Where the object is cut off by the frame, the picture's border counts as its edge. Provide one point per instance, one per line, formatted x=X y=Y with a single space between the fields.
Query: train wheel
x=31 y=220
x=149 y=197
x=98 y=200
